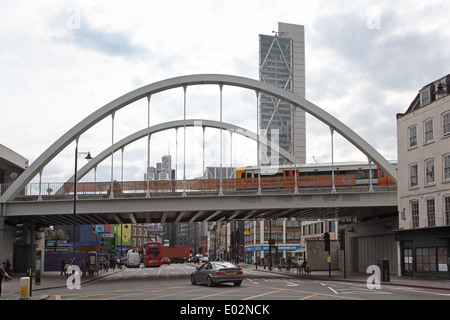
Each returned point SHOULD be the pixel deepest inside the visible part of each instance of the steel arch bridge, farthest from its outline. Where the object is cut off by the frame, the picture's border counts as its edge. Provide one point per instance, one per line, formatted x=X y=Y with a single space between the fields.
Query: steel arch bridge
x=10 y=206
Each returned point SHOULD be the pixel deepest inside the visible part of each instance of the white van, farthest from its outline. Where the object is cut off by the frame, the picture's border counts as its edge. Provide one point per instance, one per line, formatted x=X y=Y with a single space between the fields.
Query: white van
x=133 y=260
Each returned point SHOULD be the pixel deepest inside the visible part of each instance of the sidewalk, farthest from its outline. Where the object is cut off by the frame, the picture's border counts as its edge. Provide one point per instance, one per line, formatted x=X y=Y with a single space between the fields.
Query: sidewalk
x=338 y=275
x=49 y=280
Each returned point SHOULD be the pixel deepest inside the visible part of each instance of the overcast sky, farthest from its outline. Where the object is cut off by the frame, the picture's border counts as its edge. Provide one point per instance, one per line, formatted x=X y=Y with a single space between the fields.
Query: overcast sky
x=62 y=60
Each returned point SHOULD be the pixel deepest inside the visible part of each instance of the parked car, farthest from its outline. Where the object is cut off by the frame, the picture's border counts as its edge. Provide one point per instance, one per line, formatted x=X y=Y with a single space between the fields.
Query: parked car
x=217 y=272
x=165 y=260
x=203 y=260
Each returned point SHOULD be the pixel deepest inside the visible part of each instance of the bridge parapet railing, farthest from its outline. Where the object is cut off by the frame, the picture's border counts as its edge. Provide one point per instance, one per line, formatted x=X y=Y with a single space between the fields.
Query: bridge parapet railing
x=304 y=184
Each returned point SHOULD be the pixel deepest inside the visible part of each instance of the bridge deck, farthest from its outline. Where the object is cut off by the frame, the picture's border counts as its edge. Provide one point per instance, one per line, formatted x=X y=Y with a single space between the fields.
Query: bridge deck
x=161 y=206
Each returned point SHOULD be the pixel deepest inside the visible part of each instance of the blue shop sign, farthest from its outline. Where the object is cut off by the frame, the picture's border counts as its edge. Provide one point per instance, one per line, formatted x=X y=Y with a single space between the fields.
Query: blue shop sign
x=266 y=248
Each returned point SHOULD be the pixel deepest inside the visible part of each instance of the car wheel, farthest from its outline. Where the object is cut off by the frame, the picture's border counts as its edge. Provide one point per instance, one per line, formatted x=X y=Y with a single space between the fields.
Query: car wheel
x=237 y=283
x=193 y=280
x=209 y=282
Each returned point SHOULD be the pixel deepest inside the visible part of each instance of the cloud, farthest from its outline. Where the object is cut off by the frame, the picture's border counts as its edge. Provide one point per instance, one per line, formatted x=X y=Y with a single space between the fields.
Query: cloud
x=404 y=47
x=75 y=28
x=110 y=43
x=366 y=61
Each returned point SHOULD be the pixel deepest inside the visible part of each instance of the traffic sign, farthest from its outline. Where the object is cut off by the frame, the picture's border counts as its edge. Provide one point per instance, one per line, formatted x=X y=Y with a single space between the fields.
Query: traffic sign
x=108 y=243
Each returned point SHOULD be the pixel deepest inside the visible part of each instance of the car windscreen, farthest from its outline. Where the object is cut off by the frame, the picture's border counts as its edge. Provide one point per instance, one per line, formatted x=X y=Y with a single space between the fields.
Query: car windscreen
x=219 y=265
x=153 y=254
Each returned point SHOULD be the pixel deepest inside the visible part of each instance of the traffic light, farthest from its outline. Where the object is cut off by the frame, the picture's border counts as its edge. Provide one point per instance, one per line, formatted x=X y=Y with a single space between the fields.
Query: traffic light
x=20 y=233
x=326 y=238
x=342 y=239
x=274 y=250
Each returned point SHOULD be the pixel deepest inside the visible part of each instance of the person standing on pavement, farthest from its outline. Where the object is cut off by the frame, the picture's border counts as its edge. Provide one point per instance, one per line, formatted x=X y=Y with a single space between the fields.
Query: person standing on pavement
x=448 y=268
x=63 y=266
x=3 y=274
x=7 y=266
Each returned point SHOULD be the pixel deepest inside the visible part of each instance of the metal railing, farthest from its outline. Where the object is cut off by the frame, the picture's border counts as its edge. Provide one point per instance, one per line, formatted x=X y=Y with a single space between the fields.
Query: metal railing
x=304 y=184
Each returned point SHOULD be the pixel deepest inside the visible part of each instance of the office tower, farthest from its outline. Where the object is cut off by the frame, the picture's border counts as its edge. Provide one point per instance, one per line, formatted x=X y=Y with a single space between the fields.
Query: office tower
x=282 y=63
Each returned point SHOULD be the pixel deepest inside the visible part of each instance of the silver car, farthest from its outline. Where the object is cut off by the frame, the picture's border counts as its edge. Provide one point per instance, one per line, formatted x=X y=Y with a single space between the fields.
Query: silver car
x=217 y=272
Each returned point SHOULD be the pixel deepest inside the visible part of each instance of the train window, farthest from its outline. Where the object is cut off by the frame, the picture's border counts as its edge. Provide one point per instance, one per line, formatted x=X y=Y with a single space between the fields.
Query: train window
x=374 y=173
x=278 y=174
x=381 y=174
x=362 y=174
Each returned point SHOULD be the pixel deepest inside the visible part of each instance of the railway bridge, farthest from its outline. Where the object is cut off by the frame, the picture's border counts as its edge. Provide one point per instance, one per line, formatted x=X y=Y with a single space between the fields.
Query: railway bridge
x=84 y=199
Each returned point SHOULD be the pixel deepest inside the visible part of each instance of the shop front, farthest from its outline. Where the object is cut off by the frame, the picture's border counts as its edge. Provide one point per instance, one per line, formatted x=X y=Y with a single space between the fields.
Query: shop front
x=256 y=252
x=424 y=251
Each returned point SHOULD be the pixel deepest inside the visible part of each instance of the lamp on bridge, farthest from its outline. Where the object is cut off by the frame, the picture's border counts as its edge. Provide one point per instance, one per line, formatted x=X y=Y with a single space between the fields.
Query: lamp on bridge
x=88 y=157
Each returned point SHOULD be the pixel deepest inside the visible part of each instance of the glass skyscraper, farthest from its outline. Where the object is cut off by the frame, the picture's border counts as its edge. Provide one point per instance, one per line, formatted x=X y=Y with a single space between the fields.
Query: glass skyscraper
x=282 y=63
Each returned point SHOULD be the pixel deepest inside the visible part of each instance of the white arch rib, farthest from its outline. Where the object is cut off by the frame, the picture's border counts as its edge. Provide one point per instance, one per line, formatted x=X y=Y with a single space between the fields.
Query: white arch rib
x=177 y=124
x=189 y=80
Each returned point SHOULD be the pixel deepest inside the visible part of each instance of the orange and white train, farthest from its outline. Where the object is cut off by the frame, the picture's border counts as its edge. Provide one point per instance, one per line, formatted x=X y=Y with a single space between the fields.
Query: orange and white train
x=320 y=175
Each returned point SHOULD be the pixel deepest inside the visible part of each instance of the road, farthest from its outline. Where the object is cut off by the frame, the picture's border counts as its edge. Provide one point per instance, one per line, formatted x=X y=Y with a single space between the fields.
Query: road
x=171 y=282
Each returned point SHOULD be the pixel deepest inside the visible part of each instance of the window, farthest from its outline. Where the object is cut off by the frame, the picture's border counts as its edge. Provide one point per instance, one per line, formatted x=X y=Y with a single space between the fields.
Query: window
x=446 y=123
x=446 y=167
x=426 y=259
x=431 y=220
x=447 y=210
x=429 y=171
x=408 y=260
x=442 y=259
x=415 y=213
x=412 y=136
x=425 y=97
x=413 y=178
x=428 y=130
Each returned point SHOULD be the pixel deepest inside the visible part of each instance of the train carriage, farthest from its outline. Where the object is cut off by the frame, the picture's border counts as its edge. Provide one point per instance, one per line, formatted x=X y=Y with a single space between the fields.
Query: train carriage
x=316 y=175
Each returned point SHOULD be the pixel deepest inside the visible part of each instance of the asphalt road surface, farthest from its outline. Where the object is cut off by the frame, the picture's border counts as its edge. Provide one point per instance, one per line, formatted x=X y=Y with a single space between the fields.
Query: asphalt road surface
x=171 y=282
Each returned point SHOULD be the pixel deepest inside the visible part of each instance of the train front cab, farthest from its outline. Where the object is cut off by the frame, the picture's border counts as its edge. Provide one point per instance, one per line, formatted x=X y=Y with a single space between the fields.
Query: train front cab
x=383 y=179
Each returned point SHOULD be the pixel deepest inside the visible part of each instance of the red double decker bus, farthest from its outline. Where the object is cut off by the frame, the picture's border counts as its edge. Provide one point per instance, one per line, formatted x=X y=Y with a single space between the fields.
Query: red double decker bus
x=152 y=254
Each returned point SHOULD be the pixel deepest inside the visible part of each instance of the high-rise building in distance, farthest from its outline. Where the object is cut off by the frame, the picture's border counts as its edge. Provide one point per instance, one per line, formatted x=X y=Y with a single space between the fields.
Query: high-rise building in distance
x=282 y=63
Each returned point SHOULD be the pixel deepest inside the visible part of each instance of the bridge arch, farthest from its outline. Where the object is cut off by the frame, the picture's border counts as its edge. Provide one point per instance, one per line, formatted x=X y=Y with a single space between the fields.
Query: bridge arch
x=184 y=81
x=171 y=125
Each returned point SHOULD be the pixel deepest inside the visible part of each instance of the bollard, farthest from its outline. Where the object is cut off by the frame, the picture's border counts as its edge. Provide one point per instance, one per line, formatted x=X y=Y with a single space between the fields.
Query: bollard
x=24 y=288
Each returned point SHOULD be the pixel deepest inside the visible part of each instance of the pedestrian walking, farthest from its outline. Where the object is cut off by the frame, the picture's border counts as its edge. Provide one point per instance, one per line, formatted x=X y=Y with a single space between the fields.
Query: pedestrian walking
x=63 y=266
x=7 y=266
x=3 y=274
x=82 y=268
x=448 y=268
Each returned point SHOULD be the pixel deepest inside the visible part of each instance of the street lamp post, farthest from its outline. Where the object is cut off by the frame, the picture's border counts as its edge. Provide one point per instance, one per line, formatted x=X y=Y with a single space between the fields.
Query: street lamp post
x=88 y=158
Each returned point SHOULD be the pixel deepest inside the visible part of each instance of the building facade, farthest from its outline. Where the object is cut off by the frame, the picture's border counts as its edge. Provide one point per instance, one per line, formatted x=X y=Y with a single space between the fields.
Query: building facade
x=12 y=165
x=423 y=134
x=285 y=235
x=282 y=63
x=139 y=234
